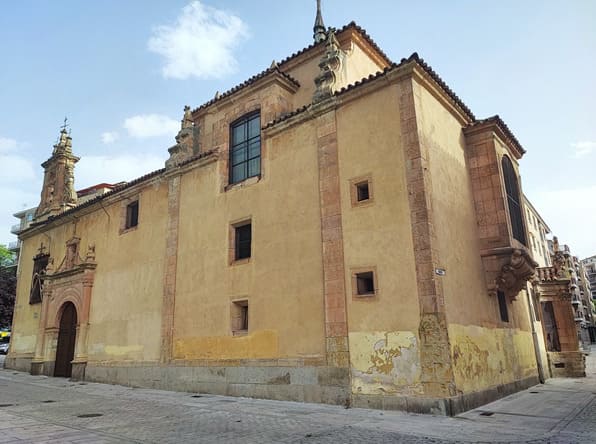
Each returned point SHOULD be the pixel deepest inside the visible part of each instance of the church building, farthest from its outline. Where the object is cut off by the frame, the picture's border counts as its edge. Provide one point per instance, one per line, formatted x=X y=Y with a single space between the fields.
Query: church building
x=339 y=228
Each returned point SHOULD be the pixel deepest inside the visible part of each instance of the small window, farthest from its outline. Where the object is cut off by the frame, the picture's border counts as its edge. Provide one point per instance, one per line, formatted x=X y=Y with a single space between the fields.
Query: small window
x=132 y=215
x=365 y=283
x=240 y=317
x=503 y=306
x=243 y=240
x=362 y=191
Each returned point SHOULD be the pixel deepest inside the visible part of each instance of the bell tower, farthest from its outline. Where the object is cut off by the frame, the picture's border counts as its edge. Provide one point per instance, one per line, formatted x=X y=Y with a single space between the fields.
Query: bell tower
x=58 y=193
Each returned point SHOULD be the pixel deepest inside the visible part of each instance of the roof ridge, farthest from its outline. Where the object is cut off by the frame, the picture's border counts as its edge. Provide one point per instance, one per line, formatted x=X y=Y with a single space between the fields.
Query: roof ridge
x=119 y=188
x=246 y=83
x=496 y=119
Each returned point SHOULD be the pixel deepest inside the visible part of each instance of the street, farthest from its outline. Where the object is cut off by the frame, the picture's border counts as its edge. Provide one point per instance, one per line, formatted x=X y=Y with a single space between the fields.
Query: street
x=41 y=409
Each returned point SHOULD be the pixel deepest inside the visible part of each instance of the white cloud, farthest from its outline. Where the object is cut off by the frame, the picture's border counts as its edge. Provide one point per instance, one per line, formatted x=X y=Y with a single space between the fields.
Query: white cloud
x=109 y=137
x=200 y=44
x=571 y=215
x=14 y=168
x=91 y=170
x=7 y=144
x=151 y=125
x=583 y=148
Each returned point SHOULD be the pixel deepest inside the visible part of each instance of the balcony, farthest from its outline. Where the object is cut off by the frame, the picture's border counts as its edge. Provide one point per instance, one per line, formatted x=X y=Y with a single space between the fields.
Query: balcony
x=15 y=229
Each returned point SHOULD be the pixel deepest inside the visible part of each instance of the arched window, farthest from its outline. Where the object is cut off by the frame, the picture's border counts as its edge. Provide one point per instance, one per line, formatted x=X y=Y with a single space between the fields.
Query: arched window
x=513 y=200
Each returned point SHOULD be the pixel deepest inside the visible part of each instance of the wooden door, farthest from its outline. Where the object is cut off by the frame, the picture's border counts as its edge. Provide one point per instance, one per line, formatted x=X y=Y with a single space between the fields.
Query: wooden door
x=67 y=336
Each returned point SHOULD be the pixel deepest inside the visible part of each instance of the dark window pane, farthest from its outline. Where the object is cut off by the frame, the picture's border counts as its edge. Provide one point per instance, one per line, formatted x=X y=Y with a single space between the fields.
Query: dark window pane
x=254 y=167
x=243 y=241
x=254 y=127
x=238 y=173
x=513 y=200
x=503 y=306
x=362 y=189
x=238 y=156
x=254 y=148
x=245 y=148
x=132 y=214
x=238 y=134
x=365 y=283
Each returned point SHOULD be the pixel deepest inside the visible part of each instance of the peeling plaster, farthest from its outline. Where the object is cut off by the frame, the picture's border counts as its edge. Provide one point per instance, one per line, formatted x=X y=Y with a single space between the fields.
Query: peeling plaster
x=385 y=362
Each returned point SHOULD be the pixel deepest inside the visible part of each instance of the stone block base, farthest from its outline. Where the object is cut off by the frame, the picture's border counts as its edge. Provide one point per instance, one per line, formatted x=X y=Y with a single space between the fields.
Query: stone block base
x=43 y=368
x=20 y=364
x=78 y=371
x=442 y=406
x=567 y=364
x=327 y=385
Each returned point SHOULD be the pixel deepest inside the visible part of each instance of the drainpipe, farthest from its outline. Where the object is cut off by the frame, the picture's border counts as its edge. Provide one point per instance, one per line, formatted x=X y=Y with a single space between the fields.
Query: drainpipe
x=539 y=362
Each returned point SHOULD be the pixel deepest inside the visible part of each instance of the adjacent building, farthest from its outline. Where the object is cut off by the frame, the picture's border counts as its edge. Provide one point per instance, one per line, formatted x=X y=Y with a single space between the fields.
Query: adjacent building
x=339 y=228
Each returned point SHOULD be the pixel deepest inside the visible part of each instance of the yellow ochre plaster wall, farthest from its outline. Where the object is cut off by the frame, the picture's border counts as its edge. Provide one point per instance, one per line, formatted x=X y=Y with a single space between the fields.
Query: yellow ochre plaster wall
x=125 y=310
x=485 y=357
x=384 y=348
x=282 y=281
x=486 y=351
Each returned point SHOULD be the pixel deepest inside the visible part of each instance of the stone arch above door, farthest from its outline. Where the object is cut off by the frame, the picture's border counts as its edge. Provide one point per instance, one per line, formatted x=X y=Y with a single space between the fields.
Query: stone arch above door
x=71 y=282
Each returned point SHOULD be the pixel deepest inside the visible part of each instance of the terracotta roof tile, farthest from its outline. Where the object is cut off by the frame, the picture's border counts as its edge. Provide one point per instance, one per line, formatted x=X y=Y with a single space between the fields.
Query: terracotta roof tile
x=120 y=187
x=246 y=83
x=503 y=126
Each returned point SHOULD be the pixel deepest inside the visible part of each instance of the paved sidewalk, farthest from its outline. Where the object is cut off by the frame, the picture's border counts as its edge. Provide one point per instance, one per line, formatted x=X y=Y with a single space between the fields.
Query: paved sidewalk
x=40 y=409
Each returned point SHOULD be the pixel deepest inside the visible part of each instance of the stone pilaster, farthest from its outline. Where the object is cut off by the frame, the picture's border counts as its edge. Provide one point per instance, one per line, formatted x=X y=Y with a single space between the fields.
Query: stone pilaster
x=170 y=267
x=336 y=324
x=435 y=354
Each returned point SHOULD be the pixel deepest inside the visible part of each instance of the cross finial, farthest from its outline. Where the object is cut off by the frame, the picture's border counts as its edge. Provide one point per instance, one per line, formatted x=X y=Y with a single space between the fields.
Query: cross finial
x=65 y=125
x=42 y=248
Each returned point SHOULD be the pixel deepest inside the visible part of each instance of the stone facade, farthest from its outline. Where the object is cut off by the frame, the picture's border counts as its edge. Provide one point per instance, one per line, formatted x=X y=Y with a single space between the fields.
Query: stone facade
x=386 y=296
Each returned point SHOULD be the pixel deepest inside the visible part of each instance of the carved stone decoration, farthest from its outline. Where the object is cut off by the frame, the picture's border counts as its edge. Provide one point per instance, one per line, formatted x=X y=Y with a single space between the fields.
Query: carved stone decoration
x=330 y=65
x=72 y=283
x=186 y=141
x=72 y=257
x=58 y=192
x=515 y=273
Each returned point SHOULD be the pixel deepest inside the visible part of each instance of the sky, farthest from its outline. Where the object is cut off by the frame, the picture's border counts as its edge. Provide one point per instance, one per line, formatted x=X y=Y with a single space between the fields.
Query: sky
x=122 y=72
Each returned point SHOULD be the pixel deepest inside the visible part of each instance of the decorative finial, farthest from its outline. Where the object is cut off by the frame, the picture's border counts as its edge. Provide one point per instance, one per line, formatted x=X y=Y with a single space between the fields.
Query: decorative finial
x=319 y=33
x=65 y=125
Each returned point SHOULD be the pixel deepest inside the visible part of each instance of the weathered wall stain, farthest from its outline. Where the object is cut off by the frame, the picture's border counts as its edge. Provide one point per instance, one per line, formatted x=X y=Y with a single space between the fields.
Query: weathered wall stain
x=260 y=344
x=385 y=362
x=486 y=357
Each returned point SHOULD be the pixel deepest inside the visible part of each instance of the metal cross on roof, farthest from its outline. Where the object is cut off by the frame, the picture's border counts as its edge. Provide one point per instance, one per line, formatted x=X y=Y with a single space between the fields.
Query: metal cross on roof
x=65 y=125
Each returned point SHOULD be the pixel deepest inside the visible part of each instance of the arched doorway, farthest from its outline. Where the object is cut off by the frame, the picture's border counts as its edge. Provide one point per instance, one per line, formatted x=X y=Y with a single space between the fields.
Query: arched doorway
x=67 y=336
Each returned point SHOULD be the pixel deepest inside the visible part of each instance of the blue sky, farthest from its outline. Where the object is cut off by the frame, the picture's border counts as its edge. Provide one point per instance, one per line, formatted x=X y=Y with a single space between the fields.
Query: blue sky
x=122 y=72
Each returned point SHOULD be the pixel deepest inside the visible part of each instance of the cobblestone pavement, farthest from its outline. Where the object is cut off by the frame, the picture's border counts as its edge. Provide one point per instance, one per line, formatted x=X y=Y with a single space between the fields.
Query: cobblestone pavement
x=40 y=409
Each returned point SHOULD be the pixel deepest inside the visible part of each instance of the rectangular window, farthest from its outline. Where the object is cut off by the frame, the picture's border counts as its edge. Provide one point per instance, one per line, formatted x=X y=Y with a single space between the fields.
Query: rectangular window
x=40 y=262
x=132 y=214
x=245 y=148
x=239 y=317
x=365 y=283
x=243 y=240
x=503 y=306
x=362 y=191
